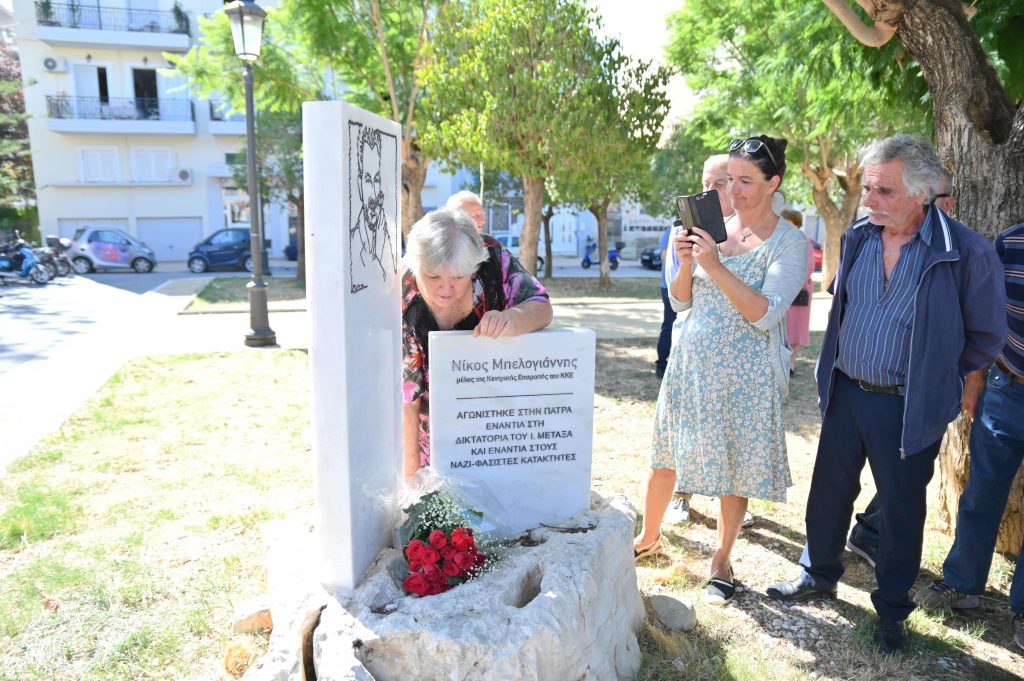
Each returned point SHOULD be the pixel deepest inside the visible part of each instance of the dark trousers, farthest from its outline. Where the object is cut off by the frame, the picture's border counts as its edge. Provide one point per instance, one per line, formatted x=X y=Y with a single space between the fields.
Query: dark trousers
x=668 y=318
x=997 y=451
x=865 y=530
x=863 y=426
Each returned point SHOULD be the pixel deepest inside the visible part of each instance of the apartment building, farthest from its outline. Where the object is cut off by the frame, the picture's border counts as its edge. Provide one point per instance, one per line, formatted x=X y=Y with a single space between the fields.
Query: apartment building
x=118 y=142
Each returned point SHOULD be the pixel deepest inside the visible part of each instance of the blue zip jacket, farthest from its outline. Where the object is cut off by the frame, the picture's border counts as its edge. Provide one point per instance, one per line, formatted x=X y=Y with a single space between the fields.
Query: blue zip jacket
x=959 y=325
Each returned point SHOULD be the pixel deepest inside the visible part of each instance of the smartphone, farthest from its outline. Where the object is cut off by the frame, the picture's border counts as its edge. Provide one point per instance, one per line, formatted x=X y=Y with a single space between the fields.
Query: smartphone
x=702 y=210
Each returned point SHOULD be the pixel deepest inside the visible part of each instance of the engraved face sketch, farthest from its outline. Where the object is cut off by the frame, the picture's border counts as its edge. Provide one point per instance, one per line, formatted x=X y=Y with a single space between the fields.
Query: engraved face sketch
x=373 y=238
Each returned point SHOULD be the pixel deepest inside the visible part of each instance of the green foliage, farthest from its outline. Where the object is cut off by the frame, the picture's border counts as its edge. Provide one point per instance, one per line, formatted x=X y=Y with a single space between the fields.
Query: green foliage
x=624 y=105
x=999 y=27
x=17 y=185
x=36 y=513
x=23 y=219
x=284 y=77
x=676 y=169
x=362 y=52
x=504 y=81
x=346 y=36
x=788 y=69
x=278 y=157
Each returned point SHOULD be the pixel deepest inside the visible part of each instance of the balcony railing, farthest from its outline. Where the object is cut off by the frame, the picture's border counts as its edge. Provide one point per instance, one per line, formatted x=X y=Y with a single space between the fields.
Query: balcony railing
x=120 y=108
x=219 y=112
x=80 y=15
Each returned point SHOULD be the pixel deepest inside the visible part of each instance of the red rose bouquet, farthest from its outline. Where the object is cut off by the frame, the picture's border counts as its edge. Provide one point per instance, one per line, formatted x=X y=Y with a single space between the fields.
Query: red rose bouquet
x=440 y=540
x=441 y=561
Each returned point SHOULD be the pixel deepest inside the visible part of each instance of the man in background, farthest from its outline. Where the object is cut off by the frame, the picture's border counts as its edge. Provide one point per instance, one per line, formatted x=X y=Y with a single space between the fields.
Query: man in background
x=471 y=204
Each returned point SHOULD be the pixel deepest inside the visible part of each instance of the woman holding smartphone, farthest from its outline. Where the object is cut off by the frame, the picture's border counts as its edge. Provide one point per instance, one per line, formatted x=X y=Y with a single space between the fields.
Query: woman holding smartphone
x=718 y=425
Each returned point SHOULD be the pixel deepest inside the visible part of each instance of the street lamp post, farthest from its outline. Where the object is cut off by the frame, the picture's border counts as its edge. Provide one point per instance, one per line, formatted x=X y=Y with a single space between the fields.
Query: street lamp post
x=247 y=33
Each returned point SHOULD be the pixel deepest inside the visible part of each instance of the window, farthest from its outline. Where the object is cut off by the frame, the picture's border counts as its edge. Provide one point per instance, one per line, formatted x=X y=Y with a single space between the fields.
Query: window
x=152 y=164
x=107 y=236
x=227 y=237
x=99 y=164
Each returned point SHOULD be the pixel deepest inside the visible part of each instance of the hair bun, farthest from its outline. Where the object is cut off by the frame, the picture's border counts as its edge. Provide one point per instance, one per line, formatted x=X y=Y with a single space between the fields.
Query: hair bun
x=778 y=144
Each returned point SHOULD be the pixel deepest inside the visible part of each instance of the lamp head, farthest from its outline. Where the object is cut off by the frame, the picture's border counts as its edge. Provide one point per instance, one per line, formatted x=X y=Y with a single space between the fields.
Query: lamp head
x=246 y=19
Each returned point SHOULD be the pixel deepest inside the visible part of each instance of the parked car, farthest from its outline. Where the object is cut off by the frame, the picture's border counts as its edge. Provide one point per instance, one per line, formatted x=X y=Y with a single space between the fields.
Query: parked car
x=650 y=258
x=225 y=249
x=512 y=244
x=818 y=254
x=104 y=248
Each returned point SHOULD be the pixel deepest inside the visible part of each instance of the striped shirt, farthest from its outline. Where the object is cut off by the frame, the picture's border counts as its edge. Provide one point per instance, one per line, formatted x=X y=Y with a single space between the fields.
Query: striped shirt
x=1010 y=247
x=874 y=339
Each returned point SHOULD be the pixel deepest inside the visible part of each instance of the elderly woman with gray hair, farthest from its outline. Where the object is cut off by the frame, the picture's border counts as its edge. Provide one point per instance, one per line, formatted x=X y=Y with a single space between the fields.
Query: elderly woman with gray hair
x=457 y=279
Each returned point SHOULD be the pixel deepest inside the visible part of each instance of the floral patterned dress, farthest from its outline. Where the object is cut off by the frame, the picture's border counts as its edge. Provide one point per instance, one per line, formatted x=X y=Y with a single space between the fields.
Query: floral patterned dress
x=719 y=416
x=500 y=282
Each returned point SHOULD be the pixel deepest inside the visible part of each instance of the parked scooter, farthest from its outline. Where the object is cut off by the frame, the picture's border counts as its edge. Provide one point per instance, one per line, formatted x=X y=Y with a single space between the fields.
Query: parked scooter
x=18 y=262
x=613 y=255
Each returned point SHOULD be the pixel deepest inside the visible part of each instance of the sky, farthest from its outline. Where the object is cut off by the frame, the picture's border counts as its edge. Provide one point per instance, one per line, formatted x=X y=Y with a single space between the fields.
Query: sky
x=640 y=27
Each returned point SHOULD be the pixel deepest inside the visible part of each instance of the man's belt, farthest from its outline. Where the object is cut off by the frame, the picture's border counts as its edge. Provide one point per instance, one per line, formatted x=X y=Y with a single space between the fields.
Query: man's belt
x=1014 y=376
x=874 y=388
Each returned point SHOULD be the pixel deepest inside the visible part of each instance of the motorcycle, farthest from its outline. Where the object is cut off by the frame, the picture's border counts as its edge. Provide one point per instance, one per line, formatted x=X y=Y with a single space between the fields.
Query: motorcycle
x=46 y=259
x=17 y=261
x=613 y=255
x=59 y=247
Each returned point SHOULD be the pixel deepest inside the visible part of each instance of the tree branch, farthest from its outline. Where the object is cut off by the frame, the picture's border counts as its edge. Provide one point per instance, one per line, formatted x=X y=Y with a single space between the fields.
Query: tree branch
x=379 y=24
x=872 y=36
x=419 y=54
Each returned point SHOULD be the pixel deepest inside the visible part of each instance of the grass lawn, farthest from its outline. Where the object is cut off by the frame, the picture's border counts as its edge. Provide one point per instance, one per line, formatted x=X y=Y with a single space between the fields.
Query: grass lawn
x=228 y=294
x=127 y=537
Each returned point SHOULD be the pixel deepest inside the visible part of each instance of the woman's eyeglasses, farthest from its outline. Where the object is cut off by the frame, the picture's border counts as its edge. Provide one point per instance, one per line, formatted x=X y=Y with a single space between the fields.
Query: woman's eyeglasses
x=751 y=146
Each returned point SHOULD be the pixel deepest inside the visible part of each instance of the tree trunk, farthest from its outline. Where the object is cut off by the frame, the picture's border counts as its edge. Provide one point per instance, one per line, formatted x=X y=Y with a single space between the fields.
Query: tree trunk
x=979 y=135
x=414 y=174
x=981 y=138
x=533 y=202
x=600 y=212
x=300 y=239
x=548 y=265
x=837 y=218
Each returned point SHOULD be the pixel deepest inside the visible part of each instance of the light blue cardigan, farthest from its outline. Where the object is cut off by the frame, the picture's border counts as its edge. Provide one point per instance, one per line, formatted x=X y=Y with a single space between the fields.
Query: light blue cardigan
x=787 y=272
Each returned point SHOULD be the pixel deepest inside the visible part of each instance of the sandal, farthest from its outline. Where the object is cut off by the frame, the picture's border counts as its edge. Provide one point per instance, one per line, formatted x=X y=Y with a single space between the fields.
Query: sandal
x=720 y=591
x=652 y=549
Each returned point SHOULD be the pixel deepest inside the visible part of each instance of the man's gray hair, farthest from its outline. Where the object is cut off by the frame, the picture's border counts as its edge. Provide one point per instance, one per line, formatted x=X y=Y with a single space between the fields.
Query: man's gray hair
x=921 y=165
x=714 y=162
x=445 y=238
x=460 y=199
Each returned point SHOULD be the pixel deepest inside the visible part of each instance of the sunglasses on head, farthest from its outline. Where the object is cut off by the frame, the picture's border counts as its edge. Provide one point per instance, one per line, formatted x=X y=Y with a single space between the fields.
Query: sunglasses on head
x=751 y=146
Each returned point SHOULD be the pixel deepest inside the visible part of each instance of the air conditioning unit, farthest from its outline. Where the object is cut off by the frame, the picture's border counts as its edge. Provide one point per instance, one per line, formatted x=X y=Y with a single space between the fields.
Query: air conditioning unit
x=55 y=64
x=181 y=175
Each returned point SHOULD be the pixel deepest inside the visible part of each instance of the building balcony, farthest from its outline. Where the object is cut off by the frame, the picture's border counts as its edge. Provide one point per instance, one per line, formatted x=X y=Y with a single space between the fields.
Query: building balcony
x=222 y=123
x=84 y=25
x=126 y=116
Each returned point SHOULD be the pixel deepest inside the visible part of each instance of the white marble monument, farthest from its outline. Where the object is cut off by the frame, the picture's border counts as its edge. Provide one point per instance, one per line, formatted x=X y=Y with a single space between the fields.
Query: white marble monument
x=517 y=414
x=352 y=166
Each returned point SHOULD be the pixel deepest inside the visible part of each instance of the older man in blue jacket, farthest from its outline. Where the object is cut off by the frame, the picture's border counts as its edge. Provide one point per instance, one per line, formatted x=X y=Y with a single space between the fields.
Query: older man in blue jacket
x=919 y=303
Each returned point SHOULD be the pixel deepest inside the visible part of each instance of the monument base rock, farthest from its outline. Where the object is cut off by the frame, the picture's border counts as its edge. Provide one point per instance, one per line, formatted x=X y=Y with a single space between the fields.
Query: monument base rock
x=563 y=604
